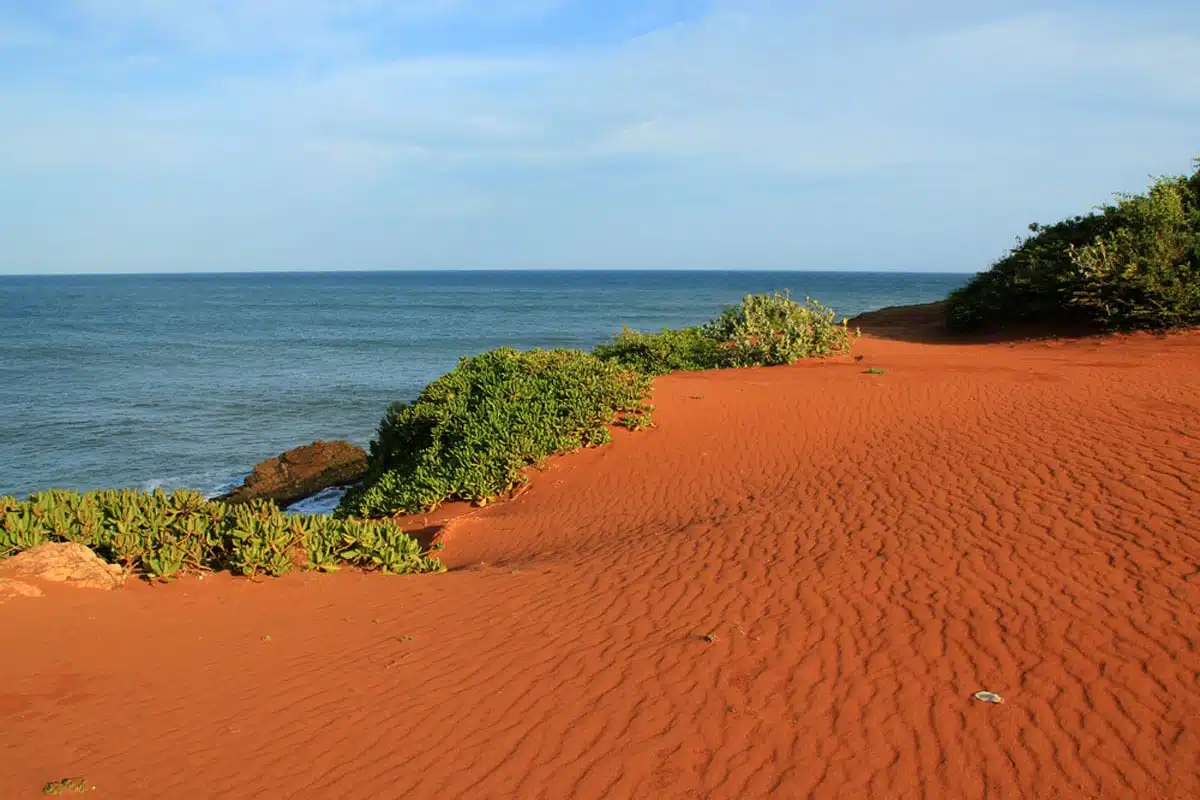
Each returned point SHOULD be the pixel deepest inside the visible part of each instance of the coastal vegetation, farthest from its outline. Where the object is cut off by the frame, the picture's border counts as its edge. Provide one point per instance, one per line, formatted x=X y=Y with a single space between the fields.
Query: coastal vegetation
x=471 y=434
x=1132 y=264
x=762 y=330
x=161 y=535
x=661 y=352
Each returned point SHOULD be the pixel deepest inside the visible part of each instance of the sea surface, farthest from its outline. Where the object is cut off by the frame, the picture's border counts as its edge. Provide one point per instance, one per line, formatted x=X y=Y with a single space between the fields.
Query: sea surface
x=187 y=381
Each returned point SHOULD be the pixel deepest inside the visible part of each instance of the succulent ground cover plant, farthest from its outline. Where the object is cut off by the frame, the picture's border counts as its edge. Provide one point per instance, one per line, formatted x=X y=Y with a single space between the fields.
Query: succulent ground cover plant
x=161 y=535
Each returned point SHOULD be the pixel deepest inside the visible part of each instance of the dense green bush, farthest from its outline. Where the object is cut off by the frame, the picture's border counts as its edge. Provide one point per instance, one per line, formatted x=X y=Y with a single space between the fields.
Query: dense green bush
x=1145 y=272
x=1033 y=282
x=1133 y=264
x=671 y=350
x=772 y=329
x=161 y=534
x=762 y=330
x=471 y=433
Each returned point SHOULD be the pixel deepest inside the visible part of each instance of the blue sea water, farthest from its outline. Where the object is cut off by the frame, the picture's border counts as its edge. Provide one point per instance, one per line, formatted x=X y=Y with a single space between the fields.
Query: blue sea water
x=189 y=380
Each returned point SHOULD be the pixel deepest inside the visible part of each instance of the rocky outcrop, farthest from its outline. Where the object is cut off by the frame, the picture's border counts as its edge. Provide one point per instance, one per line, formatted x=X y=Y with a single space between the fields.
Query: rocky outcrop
x=301 y=473
x=65 y=562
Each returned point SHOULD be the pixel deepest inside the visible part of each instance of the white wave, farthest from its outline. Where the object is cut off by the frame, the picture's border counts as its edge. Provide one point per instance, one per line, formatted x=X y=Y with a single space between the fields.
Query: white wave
x=323 y=502
x=227 y=486
x=219 y=484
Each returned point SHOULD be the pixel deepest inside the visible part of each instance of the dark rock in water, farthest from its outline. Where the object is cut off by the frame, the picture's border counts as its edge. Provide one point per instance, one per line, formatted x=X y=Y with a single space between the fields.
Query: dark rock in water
x=301 y=473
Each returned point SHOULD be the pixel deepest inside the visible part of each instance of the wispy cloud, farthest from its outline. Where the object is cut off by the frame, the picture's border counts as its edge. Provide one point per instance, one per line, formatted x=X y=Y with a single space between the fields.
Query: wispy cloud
x=287 y=24
x=1096 y=53
x=749 y=133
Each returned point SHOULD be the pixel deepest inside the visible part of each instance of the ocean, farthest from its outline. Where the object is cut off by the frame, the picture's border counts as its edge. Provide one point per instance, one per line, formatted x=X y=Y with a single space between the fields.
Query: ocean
x=187 y=381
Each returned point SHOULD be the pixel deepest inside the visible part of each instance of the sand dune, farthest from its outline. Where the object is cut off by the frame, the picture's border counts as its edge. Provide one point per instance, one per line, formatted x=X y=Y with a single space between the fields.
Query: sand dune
x=791 y=587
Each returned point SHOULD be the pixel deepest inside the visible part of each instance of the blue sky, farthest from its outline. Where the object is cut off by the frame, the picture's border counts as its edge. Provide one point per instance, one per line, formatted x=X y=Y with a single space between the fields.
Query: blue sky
x=197 y=135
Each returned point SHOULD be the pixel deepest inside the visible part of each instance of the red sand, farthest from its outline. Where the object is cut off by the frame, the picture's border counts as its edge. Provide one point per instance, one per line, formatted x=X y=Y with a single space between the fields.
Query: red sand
x=867 y=550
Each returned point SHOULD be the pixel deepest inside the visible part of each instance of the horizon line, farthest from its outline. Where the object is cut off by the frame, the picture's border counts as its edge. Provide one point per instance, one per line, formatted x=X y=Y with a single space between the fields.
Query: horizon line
x=461 y=270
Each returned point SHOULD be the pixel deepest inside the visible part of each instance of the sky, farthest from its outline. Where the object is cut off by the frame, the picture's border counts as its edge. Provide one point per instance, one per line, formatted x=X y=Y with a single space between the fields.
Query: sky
x=246 y=135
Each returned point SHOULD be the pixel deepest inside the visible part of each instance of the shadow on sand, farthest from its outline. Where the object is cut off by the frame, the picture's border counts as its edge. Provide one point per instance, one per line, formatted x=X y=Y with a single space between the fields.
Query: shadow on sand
x=427 y=536
x=925 y=323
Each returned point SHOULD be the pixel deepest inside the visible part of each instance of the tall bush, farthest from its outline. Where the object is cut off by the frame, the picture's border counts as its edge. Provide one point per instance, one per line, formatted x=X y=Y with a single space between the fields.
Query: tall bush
x=1145 y=271
x=1131 y=264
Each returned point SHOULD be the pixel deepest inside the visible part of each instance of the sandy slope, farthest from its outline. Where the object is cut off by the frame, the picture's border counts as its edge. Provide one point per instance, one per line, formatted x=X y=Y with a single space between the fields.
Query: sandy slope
x=868 y=550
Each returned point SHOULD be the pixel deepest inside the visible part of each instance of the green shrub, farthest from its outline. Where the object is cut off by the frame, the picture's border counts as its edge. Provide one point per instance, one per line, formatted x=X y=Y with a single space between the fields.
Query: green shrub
x=471 y=433
x=684 y=349
x=1145 y=273
x=1034 y=282
x=162 y=535
x=772 y=329
x=1135 y=264
x=761 y=330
